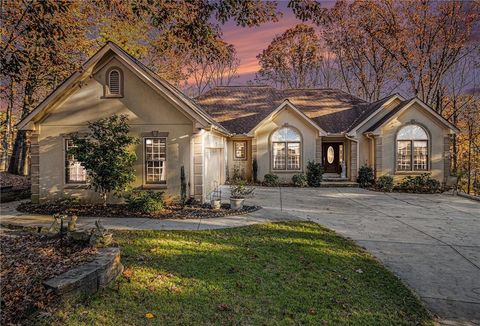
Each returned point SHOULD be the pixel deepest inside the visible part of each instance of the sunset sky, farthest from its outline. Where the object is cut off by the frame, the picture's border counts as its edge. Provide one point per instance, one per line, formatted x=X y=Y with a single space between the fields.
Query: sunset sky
x=251 y=41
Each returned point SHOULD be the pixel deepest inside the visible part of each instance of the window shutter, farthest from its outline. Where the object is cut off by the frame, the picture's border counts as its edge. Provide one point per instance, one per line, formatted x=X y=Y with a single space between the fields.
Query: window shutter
x=114 y=82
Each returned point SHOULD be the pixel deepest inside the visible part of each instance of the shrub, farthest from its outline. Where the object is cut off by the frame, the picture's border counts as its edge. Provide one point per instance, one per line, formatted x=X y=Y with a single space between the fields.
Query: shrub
x=238 y=175
x=239 y=190
x=107 y=155
x=271 y=180
x=145 y=201
x=255 y=170
x=300 y=180
x=365 y=176
x=314 y=174
x=183 y=185
x=420 y=184
x=384 y=183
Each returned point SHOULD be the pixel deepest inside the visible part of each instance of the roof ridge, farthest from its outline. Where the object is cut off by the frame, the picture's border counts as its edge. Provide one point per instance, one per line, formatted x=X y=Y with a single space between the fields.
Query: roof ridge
x=226 y=86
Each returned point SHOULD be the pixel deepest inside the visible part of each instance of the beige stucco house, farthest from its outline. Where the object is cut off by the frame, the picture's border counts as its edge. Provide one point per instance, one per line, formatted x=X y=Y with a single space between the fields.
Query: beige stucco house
x=226 y=129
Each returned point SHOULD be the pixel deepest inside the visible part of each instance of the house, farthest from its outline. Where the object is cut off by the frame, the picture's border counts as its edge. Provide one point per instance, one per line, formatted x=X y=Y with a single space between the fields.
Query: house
x=226 y=129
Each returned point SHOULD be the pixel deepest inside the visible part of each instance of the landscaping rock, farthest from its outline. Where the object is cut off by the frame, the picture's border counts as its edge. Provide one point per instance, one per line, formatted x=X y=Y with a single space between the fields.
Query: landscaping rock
x=80 y=236
x=88 y=278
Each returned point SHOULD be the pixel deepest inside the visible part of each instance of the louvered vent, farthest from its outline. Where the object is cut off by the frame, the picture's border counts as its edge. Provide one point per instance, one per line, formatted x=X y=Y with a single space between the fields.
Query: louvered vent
x=114 y=82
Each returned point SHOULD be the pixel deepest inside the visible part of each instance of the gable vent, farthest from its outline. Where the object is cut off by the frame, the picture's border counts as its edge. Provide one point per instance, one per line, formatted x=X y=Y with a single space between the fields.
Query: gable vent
x=114 y=82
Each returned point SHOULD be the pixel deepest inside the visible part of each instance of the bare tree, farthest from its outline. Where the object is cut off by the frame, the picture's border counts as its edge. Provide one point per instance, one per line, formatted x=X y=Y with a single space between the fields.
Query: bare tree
x=366 y=69
x=208 y=68
x=424 y=38
x=293 y=59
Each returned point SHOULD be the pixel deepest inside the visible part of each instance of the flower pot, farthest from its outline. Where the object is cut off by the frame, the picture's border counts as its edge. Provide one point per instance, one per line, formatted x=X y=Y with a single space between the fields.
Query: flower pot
x=216 y=204
x=236 y=204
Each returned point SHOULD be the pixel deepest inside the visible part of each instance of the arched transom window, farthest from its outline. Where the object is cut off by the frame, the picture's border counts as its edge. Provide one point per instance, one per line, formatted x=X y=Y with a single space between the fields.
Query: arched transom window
x=412 y=149
x=286 y=149
x=114 y=80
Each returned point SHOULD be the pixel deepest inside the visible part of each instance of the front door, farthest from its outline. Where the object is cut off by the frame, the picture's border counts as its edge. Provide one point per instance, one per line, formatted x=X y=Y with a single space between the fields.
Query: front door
x=331 y=157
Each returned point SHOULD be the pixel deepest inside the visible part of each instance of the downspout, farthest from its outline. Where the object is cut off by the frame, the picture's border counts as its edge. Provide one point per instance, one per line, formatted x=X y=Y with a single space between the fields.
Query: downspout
x=358 y=152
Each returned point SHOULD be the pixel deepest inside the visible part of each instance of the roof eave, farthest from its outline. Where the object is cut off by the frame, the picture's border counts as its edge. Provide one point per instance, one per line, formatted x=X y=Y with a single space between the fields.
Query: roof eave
x=353 y=130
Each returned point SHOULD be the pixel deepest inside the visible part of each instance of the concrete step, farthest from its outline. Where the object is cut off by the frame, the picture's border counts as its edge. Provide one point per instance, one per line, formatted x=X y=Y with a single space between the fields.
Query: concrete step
x=334 y=179
x=338 y=184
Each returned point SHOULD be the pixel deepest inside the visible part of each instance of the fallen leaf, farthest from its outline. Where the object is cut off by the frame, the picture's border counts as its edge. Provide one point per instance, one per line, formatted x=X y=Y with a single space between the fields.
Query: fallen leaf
x=149 y=315
x=223 y=307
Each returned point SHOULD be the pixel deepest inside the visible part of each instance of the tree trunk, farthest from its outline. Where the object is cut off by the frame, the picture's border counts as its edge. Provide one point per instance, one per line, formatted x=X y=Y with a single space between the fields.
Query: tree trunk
x=8 y=131
x=469 y=161
x=20 y=163
x=20 y=160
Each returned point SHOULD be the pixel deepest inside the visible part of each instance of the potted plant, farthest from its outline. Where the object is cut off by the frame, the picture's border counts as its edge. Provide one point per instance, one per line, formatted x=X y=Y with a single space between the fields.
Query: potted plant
x=216 y=197
x=238 y=193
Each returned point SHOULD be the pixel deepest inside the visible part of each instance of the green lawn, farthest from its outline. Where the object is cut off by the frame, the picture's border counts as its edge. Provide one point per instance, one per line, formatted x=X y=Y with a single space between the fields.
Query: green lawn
x=270 y=274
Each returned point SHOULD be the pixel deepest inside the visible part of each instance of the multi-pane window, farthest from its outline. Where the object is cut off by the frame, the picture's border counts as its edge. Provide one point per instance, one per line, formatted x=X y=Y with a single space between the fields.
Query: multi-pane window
x=155 y=160
x=412 y=149
x=279 y=156
x=240 y=149
x=286 y=149
x=293 y=156
x=74 y=170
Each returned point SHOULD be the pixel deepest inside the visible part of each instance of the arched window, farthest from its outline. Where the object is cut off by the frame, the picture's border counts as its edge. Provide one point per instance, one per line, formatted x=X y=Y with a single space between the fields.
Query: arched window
x=412 y=149
x=286 y=149
x=114 y=82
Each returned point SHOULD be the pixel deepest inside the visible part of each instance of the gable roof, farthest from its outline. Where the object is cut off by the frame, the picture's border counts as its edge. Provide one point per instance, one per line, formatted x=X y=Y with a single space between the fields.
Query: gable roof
x=288 y=105
x=240 y=108
x=402 y=107
x=373 y=109
x=184 y=102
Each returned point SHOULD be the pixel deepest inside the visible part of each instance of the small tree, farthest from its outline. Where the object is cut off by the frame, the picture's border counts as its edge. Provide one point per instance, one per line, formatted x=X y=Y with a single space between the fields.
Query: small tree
x=106 y=156
x=255 y=170
x=314 y=174
x=183 y=186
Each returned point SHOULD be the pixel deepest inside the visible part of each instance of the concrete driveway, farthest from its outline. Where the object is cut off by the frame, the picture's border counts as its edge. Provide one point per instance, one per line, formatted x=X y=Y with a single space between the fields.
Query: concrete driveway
x=432 y=242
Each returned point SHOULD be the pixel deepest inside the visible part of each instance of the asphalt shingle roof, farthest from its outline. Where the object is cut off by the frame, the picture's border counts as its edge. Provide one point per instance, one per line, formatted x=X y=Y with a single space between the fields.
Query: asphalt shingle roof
x=240 y=108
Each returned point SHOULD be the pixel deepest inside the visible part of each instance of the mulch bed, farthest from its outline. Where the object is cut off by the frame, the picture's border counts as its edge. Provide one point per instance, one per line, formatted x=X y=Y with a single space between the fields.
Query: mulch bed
x=13 y=187
x=121 y=210
x=28 y=260
x=14 y=181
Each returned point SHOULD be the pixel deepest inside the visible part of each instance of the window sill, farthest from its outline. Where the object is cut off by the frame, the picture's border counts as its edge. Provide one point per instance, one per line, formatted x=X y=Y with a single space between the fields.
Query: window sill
x=75 y=186
x=412 y=172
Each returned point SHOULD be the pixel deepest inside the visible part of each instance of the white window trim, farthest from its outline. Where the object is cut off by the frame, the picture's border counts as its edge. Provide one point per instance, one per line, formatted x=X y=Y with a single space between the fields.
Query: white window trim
x=244 y=158
x=271 y=142
x=429 y=149
x=65 y=180
x=107 y=93
x=144 y=161
x=286 y=169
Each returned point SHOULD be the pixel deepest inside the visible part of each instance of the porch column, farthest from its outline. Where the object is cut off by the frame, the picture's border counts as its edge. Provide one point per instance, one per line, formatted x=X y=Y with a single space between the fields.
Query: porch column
x=378 y=156
x=198 y=167
x=35 y=167
x=353 y=160
x=318 y=150
x=446 y=157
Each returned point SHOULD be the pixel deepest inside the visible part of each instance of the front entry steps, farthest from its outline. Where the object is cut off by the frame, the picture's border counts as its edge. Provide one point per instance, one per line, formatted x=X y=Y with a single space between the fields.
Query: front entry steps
x=338 y=183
